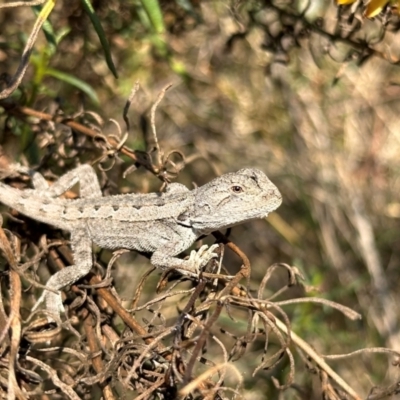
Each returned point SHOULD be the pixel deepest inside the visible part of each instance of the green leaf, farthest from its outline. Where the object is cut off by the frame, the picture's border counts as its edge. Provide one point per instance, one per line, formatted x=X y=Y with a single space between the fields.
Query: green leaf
x=44 y=12
x=153 y=11
x=102 y=36
x=71 y=80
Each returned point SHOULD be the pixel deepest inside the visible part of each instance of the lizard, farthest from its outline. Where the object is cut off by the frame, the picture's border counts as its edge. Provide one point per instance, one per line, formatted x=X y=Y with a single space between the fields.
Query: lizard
x=164 y=224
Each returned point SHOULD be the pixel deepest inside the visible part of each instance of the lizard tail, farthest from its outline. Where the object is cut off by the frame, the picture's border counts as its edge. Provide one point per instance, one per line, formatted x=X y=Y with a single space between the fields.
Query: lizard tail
x=29 y=203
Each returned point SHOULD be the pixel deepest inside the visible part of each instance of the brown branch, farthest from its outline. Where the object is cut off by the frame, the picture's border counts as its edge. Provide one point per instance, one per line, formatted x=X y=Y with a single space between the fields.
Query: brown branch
x=97 y=361
x=138 y=156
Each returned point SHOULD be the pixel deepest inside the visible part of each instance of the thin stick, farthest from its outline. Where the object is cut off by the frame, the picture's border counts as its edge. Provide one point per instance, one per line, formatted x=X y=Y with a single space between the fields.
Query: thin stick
x=153 y=123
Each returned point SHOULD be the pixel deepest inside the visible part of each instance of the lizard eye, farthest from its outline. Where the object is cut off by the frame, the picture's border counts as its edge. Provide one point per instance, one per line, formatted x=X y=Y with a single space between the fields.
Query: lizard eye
x=237 y=189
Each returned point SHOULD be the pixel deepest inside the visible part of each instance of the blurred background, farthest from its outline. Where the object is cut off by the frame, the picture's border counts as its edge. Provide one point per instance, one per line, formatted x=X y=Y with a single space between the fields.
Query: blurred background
x=306 y=91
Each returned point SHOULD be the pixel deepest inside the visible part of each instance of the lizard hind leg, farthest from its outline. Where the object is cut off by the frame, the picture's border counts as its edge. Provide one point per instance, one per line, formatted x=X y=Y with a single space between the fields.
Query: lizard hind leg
x=82 y=251
x=89 y=186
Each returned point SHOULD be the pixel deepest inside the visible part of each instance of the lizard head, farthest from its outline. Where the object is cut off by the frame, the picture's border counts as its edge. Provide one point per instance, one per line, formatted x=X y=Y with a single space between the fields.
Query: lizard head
x=234 y=198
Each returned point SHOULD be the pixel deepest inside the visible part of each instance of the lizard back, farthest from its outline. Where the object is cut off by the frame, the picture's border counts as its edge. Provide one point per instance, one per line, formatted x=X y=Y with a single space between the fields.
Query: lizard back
x=129 y=207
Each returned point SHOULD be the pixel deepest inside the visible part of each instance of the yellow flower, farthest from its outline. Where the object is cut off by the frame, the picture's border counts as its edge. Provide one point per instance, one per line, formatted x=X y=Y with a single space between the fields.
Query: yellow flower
x=344 y=2
x=374 y=7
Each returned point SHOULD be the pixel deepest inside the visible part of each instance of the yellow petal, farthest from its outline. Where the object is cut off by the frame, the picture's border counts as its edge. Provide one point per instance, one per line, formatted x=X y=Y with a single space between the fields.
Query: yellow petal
x=343 y=2
x=374 y=7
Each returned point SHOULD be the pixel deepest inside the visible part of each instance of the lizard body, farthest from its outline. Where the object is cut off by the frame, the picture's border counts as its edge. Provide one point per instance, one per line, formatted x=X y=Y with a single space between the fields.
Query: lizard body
x=164 y=224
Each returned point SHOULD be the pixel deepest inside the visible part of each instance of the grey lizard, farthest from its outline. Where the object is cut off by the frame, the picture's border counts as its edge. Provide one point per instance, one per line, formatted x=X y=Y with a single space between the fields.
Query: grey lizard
x=164 y=224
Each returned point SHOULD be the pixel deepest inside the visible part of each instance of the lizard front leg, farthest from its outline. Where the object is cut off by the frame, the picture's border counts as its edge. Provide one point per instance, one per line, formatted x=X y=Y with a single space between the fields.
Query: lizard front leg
x=82 y=253
x=163 y=258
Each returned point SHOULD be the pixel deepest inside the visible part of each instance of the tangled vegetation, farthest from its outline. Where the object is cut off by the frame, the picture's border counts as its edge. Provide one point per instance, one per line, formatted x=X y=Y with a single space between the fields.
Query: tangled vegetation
x=303 y=306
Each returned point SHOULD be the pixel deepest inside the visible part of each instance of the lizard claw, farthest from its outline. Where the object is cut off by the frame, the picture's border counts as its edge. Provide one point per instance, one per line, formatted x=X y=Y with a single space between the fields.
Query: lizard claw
x=198 y=259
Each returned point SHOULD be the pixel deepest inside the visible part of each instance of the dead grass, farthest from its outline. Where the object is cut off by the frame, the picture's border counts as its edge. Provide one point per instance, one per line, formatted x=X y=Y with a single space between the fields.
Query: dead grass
x=313 y=105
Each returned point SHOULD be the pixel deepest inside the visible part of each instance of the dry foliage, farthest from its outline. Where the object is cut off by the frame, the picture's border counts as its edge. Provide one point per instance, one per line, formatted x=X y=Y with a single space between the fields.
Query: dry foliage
x=177 y=343
x=303 y=90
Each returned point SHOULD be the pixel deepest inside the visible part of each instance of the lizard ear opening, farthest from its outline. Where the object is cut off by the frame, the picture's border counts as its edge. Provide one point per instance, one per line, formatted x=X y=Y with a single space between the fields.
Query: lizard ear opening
x=183 y=219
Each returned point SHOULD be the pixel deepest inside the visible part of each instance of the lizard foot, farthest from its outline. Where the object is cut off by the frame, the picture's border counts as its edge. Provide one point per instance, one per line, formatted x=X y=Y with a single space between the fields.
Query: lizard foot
x=198 y=259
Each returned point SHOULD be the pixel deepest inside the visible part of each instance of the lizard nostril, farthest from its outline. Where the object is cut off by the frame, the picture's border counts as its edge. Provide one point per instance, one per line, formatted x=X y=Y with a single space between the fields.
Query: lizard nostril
x=271 y=193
